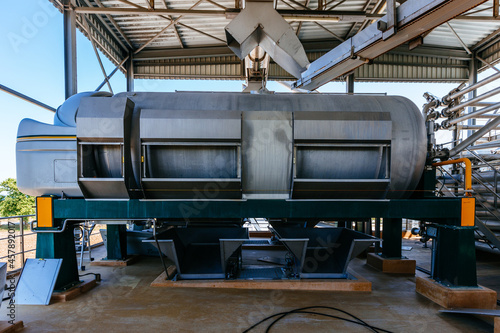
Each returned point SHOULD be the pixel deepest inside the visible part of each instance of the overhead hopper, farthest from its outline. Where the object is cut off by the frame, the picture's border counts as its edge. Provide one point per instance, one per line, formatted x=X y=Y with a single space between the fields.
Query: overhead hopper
x=259 y=24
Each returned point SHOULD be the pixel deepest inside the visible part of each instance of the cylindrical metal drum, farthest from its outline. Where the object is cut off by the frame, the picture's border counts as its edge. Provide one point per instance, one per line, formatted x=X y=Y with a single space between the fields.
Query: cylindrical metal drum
x=248 y=146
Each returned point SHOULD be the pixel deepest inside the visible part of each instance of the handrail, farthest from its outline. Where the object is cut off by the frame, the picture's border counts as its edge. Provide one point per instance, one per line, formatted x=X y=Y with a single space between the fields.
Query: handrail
x=15 y=217
x=486 y=186
x=468 y=172
x=54 y=231
x=482 y=160
x=23 y=235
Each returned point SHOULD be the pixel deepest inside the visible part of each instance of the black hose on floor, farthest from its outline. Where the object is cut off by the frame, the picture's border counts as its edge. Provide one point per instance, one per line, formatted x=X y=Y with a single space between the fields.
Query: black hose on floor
x=281 y=315
x=423 y=270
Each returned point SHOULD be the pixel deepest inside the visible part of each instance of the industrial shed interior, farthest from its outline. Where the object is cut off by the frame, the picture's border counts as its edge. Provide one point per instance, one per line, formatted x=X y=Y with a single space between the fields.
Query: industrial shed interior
x=260 y=211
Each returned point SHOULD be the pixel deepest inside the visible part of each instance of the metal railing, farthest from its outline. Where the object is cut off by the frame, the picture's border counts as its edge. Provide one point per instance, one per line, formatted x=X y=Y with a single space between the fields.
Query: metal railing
x=493 y=186
x=485 y=235
x=11 y=255
x=11 y=235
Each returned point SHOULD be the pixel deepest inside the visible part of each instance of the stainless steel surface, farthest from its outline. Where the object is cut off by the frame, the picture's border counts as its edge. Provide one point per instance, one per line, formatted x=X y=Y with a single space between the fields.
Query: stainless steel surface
x=167 y=248
x=259 y=24
x=185 y=151
x=227 y=248
x=37 y=281
x=481 y=97
x=298 y=248
x=200 y=253
x=267 y=154
x=234 y=145
x=46 y=159
x=475 y=114
x=323 y=252
x=477 y=312
x=104 y=131
x=472 y=87
x=474 y=137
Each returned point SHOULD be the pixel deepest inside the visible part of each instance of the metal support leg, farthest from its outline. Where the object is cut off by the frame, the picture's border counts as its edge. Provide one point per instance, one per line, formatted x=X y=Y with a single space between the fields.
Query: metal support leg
x=473 y=94
x=349 y=80
x=391 y=246
x=60 y=246
x=454 y=256
x=377 y=234
x=69 y=18
x=130 y=73
x=116 y=242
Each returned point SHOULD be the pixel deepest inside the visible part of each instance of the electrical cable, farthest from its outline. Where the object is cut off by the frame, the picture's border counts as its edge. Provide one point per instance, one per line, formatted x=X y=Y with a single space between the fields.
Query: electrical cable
x=320 y=314
x=159 y=250
x=282 y=315
x=97 y=276
x=423 y=270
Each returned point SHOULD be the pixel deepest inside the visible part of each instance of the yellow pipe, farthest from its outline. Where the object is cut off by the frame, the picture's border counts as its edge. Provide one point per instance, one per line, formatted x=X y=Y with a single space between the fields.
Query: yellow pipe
x=468 y=172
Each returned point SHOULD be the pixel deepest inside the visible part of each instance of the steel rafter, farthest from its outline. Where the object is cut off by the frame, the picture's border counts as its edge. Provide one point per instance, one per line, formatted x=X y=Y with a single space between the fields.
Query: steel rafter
x=26 y=98
x=414 y=18
x=69 y=18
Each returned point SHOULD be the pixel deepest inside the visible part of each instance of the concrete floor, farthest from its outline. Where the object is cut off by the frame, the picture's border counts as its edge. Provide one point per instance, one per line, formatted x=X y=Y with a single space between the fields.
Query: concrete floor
x=125 y=302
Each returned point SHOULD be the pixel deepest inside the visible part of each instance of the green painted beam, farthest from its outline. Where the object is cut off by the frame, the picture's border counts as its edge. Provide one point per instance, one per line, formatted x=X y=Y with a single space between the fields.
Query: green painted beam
x=436 y=209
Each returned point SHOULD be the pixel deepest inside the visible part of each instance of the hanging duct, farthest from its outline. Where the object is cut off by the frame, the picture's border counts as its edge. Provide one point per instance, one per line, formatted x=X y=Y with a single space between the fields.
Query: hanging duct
x=259 y=24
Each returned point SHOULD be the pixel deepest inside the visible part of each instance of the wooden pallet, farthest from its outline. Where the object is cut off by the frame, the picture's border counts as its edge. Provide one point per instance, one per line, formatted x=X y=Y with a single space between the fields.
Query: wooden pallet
x=115 y=263
x=476 y=298
x=6 y=327
x=358 y=284
x=71 y=293
x=395 y=266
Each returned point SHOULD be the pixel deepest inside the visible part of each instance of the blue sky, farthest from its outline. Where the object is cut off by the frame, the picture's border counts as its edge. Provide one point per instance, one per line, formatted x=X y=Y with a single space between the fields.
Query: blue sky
x=31 y=62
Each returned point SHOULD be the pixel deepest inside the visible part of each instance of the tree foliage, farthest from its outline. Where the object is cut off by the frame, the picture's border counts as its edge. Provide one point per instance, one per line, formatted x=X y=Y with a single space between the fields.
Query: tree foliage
x=13 y=202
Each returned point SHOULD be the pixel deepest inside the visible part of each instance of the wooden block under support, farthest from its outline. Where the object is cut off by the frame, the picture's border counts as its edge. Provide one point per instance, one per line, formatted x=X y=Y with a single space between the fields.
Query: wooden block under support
x=357 y=284
x=6 y=327
x=397 y=266
x=260 y=234
x=71 y=293
x=497 y=324
x=115 y=263
x=476 y=298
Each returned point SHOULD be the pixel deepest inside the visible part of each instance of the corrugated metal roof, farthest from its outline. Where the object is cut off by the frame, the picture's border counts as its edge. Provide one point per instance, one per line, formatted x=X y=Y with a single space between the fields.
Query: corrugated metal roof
x=117 y=35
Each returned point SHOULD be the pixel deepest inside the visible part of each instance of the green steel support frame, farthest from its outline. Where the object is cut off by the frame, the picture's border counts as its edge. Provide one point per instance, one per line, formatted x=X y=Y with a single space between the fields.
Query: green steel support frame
x=60 y=246
x=442 y=210
x=116 y=241
x=455 y=247
x=392 y=238
x=454 y=256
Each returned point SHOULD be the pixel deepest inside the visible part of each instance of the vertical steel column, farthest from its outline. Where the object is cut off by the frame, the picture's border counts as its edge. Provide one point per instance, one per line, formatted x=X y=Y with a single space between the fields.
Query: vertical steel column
x=349 y=80
x=473 y=65
x=60 y=246
x=116 y=241
x=130 y=72
x=377 y=234
x=69 y=18
x=454 y=256
x=391 y=246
